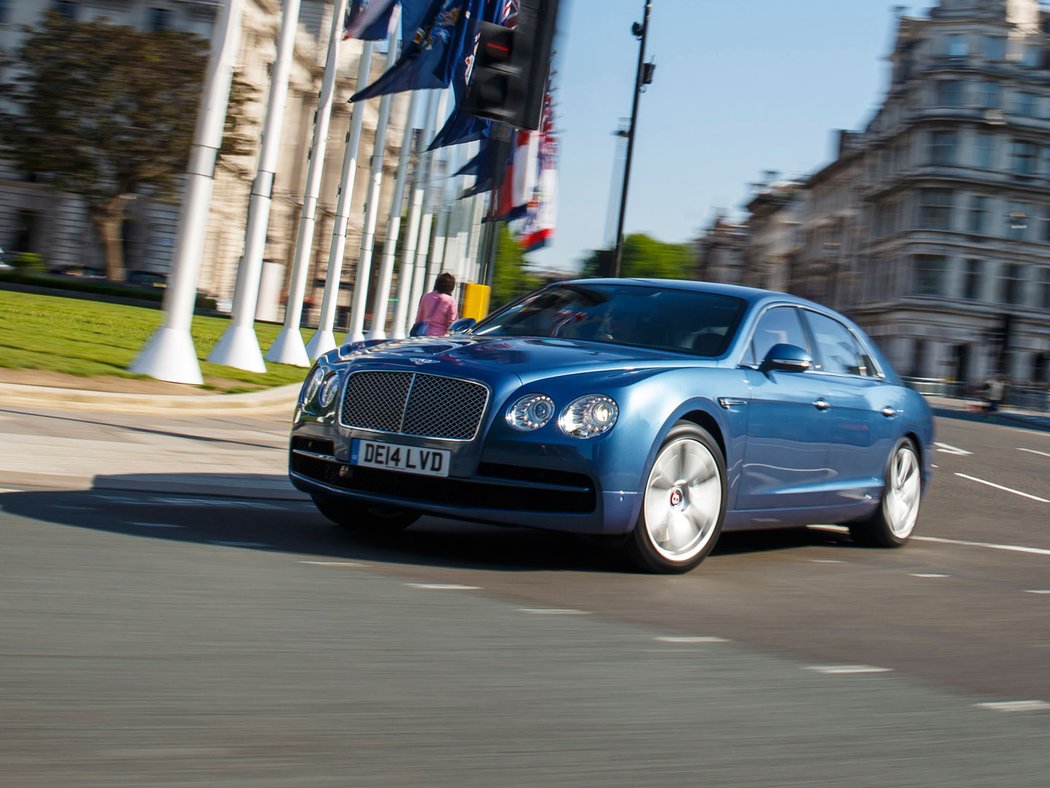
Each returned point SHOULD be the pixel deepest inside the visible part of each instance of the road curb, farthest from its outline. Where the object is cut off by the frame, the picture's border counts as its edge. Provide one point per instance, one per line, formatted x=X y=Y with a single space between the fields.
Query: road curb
x=267 y=401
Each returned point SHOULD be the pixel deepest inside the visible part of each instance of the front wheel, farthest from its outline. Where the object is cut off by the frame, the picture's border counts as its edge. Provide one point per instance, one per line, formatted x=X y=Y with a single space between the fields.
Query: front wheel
x=893 y=522
x=365 y=517
x=684 y=503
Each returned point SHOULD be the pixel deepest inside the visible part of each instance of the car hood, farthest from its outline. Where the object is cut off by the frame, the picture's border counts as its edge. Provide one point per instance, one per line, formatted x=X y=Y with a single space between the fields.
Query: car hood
x=527 y=358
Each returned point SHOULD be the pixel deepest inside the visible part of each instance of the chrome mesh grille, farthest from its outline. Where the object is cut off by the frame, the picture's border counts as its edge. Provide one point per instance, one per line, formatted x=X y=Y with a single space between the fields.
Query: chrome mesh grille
x=414 y=403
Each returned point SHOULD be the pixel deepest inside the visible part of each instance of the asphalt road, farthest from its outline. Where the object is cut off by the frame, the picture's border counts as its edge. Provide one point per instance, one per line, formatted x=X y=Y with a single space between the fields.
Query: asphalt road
x=167 y=638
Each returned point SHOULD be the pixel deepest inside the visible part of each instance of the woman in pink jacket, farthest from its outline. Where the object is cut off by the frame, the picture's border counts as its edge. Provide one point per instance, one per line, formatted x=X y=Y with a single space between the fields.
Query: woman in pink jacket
x=437 y=308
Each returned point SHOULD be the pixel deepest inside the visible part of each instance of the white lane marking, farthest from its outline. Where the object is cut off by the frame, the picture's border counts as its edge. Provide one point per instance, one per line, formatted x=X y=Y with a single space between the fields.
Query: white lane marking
x=352 y=564
x=824 y=561
x=1005 y=489
x=553 y=611
x=1009 y=547
x=1038 y=591
x=946 y=449
x=837 y=669
x=239 y=544
x=691 y=639
x=1016 y=705
x=156 y=525
x=1033 y=451
x=934 y=466
x=442 y=587
x=835 y=529
x=927 y=574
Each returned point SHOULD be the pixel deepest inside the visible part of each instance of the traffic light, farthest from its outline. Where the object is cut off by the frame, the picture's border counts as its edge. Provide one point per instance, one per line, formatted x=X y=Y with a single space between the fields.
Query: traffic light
x=511 y=67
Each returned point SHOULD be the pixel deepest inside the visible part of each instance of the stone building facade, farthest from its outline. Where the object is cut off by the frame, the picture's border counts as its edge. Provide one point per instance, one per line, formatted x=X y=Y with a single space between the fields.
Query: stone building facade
x=35 y=218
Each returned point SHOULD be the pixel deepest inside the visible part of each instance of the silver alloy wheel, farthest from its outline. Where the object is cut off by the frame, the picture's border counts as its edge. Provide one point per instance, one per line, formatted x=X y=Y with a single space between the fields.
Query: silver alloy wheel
x=683 y=499
x=903 y=491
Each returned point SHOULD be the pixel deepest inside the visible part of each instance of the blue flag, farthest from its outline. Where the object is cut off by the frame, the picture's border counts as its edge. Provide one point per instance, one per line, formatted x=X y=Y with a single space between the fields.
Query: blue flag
x=368 y=20
x=429 y=59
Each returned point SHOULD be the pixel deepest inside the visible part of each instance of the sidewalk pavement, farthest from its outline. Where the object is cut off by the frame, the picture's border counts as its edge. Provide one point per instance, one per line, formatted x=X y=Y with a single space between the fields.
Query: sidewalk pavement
x=231 y=446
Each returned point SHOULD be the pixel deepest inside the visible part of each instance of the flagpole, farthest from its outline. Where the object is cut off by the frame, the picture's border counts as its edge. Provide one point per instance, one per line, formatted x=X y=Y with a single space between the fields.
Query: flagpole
x=323 y=339
x=170 y=354
x=288 y=348
x=375 y=190
x=239 y=347
x=380 y=305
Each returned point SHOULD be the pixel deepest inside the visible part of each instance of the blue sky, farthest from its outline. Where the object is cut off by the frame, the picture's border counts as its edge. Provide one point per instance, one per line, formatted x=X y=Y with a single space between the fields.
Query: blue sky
x=741 y=86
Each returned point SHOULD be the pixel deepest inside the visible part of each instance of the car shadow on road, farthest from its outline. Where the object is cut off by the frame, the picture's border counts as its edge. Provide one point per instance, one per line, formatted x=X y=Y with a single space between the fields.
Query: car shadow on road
x=263 y=512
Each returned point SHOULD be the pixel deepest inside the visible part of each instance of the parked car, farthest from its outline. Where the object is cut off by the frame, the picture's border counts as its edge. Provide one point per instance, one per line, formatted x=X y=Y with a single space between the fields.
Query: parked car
x=658 y=412
x=4 y=265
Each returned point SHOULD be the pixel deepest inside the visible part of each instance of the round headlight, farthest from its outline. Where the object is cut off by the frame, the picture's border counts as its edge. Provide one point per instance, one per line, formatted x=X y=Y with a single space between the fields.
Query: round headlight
x=530 y=412
x=330 y=387
x=313 y=380
x=589 y=416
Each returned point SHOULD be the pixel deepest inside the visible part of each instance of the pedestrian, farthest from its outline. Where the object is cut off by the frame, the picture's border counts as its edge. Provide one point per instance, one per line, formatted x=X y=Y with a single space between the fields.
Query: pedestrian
x=994 y=391
x=437 y=309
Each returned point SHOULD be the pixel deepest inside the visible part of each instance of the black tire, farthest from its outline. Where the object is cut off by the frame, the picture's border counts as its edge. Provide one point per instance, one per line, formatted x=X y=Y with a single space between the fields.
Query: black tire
x=683 y=503
x=893 y=523
x=364 y=517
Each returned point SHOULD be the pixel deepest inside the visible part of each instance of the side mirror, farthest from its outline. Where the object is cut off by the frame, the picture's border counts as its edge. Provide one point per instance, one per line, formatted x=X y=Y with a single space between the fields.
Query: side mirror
x=787 y=358
x=462 y=326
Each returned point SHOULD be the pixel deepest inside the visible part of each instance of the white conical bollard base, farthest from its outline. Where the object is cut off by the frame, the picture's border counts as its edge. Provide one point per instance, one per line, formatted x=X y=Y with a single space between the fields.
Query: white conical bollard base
x=320 y=343
x=288 y=348
x=239 y=348
x=169 y=355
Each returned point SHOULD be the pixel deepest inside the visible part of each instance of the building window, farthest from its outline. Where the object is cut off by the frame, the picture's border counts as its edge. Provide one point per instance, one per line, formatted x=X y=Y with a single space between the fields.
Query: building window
x=159 y=20
x=1011 y=279
x=1026 y=104
x=990 y=95
x=1044 y=225
x=1032 y=56
x=935 y=209
x=1017 y=221
x=972 y=279
x=1044 y=289
x=978 y=219
x=930 y=270
x=5 y=11
x=985 y=150
x=1023 y=157
x=995 y=49
x=66 y=8
x=955 y=45
x=942 y=147
x=949 y=93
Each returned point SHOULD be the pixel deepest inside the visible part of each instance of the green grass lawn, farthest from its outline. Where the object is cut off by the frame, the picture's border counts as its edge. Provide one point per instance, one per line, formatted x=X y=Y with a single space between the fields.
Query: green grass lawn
x=77 y=336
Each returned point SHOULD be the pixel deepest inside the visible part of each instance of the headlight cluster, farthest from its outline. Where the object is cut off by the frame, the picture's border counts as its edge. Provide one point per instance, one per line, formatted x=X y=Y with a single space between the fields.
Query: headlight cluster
x=321 y=386
x=584 y=417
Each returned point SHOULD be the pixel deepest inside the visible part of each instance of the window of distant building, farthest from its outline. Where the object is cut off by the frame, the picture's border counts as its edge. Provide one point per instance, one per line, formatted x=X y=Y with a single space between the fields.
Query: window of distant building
x=955 y=45
x=995 y=49
x=1017 y=221
x=1023 y=157
x=66 y=8
x=1032 y=56
x=985 y=150
x=942 y=147
x=1044 y=289
x=978 y=219
x=972 y=279
x=990 y=95
x=1011 y=281
x=159 y=20
x=949 y=93
x=1026 y=104
x=4 y=11
x=930 y=274
x=1044 y=225
x=935 y=209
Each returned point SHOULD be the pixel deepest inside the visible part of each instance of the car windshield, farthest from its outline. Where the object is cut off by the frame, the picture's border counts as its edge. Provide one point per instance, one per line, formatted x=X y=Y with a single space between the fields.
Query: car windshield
x=679 y=320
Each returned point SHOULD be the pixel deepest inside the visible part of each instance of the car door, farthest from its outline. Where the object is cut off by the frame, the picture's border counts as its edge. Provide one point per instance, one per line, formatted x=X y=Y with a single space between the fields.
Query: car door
x=785 y=456
x=861 y=417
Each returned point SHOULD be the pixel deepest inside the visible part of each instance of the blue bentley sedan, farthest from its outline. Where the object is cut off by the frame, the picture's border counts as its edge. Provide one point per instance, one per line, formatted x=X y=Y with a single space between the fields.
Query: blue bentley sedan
x=658 y=412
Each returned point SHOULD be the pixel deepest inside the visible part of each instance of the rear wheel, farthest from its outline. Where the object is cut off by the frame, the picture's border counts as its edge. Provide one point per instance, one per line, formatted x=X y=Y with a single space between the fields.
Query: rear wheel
x=365 y=517
x=894 y=520
x=683 y=504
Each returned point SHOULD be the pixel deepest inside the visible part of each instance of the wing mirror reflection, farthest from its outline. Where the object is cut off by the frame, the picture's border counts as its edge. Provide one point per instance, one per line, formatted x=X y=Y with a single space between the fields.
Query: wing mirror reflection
x=787 y=358
x=462 y=326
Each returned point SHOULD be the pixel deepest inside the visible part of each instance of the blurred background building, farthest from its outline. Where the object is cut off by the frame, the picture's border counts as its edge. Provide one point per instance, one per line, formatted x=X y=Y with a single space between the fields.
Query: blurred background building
x=33 y=218
x=931 y=227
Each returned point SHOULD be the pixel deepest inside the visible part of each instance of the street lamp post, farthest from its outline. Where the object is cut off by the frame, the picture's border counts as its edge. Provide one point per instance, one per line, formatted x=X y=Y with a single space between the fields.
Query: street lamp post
x=643 y=76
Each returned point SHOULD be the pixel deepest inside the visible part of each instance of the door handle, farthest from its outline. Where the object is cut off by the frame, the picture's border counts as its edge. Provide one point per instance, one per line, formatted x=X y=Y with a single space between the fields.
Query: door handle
x=822 y=404
x=889 y=412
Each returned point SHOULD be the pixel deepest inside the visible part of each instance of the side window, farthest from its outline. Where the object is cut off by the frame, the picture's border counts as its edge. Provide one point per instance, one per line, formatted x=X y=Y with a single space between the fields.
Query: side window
x=837 y=348
x=780 y=325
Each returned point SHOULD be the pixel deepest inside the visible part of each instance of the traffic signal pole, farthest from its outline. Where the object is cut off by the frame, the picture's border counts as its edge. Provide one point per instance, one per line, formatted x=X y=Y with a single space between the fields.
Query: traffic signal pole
x=641 y=31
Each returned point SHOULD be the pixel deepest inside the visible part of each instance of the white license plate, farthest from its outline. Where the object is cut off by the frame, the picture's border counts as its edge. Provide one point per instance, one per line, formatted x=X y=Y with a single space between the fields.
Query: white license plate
x=394 y=457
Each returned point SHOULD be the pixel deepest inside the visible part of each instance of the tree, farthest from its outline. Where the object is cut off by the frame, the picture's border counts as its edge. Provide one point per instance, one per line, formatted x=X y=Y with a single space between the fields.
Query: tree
x=509 y=277
x=105 y=112
x=644 y=256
